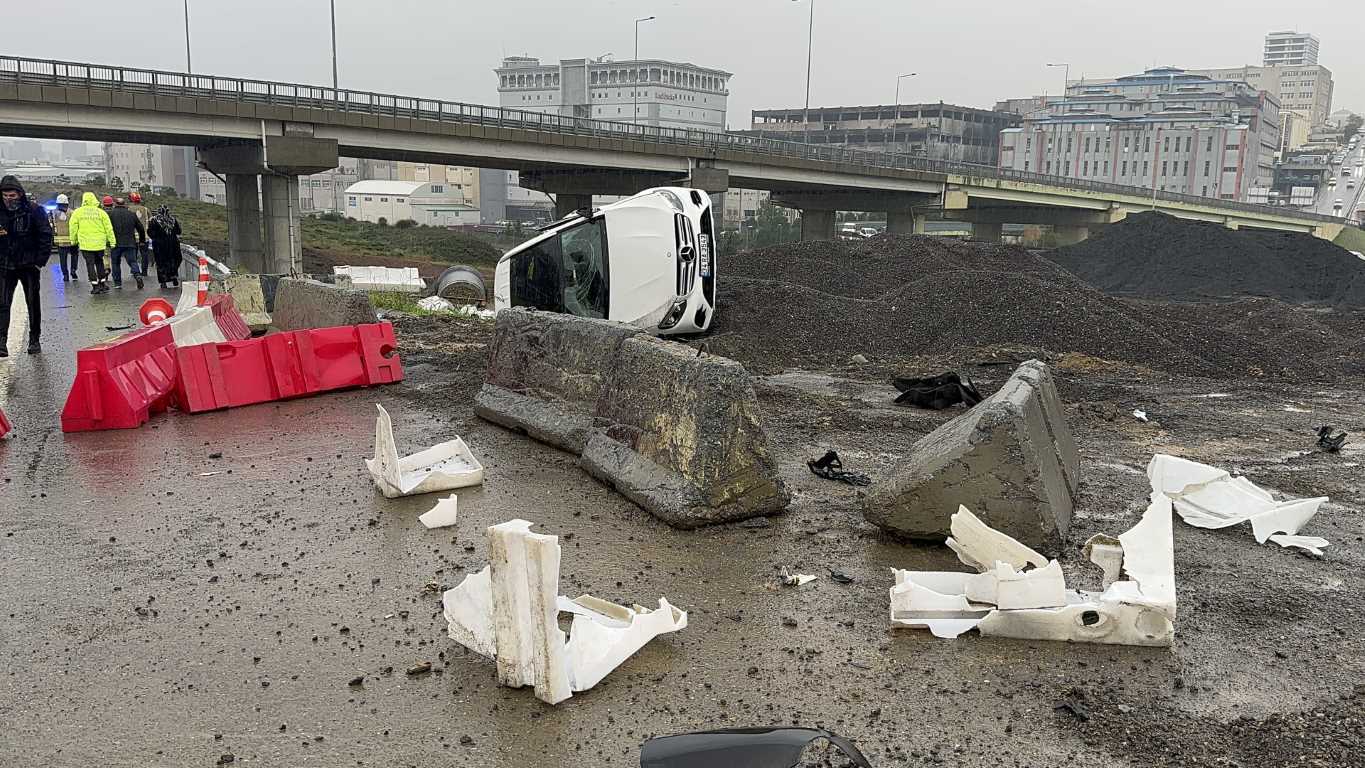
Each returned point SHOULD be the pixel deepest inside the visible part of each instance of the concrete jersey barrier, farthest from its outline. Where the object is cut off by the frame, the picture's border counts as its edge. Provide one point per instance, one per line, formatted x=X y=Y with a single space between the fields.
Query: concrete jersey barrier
x=300 y=304
x=679 y=434
x=1010 y=459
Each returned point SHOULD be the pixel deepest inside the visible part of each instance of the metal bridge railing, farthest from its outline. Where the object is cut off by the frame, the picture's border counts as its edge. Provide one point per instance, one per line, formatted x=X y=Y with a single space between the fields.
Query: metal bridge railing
x=53 y=72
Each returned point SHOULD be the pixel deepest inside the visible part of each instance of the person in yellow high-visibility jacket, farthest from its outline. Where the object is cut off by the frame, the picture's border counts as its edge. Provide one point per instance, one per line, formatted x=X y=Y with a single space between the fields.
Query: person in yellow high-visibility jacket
x=93 y=233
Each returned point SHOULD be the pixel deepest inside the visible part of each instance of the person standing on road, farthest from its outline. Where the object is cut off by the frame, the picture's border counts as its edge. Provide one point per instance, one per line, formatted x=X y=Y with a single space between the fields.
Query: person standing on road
x=164 y=232
x=91 y=232
x=145 y=216
x=67 y=255
x=130 y=237
x=25 y=247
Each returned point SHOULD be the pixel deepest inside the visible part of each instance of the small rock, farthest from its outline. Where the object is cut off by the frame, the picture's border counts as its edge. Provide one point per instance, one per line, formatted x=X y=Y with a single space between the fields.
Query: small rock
x=1124 y=708
x=215 y=455
x=357 y=680
x=419 y=669
x=858 y=360
x=466 y=741
x=226 y=758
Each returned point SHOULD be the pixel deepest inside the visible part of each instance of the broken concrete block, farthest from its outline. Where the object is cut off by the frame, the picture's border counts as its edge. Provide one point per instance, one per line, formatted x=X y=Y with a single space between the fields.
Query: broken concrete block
x=249 y=298
x=442 y=467
x=1011 y=459
x=1139 y=610
x=546 y=372
x=1208 y=497
x=509 y=612
x=301 y=304
x=680 y=435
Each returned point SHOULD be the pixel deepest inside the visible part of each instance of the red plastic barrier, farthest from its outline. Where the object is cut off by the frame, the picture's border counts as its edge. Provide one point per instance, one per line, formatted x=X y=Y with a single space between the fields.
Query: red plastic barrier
x=227 y=317
x=286 y=365
x=5 y=426
x=121 y=382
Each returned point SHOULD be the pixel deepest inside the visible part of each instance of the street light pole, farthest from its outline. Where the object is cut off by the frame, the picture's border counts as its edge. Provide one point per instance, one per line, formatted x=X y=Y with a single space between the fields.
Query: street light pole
x=188 y=66
x=635 y=91
x=1066 y=80
x=810 y=43
x=334 y=45
x=899 y=78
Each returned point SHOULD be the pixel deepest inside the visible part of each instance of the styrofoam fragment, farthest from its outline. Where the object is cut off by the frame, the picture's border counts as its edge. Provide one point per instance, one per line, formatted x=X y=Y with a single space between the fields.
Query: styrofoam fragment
x=978 y=545
x=443 y=515
x=442 y=467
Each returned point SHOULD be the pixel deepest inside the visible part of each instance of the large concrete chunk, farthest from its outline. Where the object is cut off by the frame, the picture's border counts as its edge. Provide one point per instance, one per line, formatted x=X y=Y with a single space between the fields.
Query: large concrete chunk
x=249 y=298
x=546 y=372
x=1011 y=459
x=301 y=304
x=680 y=435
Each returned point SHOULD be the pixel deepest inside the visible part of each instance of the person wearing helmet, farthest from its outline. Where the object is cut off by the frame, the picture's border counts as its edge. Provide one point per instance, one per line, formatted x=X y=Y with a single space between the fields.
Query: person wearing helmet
x=67 y=255
x=145 y=216
x=107 y=202
x=25 y=247
x=92 y=233
x=129 y=236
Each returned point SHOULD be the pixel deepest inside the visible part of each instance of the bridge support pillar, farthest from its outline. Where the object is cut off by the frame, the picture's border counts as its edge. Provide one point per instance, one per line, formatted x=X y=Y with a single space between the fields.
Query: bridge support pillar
x=987 y=231
x=283 y=241
x=904 y=223
x=1070 y=235
x=245 y=250
x=566 y=203
x=817 y=225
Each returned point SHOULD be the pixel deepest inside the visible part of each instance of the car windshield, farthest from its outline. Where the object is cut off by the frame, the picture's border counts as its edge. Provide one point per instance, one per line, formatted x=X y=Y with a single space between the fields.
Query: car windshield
x=565 y=273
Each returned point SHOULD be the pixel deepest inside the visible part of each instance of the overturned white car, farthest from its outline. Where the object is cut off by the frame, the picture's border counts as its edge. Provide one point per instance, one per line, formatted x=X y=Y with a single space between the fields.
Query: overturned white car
x=648 y=261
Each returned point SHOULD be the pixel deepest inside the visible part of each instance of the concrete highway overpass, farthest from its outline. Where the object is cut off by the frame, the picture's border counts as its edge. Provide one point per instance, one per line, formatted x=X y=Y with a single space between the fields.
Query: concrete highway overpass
x=263 y=135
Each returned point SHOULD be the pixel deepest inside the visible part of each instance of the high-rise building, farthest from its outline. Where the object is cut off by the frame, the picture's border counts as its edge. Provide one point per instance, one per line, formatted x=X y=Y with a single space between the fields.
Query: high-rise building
x=1292 y=48
x=1163 y=129
x=648 y=92
x=1304 y=89
x=151 y=167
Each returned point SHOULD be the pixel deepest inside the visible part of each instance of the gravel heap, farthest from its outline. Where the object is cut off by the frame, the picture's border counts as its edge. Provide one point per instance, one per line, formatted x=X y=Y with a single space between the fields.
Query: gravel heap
x=1154 y=255
x=815 y=303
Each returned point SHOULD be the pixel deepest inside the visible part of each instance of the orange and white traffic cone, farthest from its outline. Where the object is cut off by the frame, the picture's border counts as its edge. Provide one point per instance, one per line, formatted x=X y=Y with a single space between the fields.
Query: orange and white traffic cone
x=203 y=293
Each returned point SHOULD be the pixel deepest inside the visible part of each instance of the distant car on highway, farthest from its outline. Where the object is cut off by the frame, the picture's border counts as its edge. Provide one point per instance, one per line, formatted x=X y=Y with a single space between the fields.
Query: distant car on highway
x=647 y=261
x=1336 y=206
x=869 y=231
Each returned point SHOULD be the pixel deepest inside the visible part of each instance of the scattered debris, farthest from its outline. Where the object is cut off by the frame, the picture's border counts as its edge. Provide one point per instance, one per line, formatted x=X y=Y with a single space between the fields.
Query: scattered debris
x=442 y=515
x=1074 y=704
x=790 y=579
x=435 y=304
x=1329 y=442
x=1018 y=593
x=936 y=392
x=858 y=360
x=509 y=612
x=1140 y=415
x=117 y=327
x=357 y=681
x=442 y=467
x=1208 y=497
x=839 y=577
x=419 y=669
x=767 y=747
x=831 y=467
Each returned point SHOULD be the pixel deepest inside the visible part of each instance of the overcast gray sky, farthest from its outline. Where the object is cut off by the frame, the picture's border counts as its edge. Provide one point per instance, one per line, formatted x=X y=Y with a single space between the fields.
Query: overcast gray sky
x=967 y=53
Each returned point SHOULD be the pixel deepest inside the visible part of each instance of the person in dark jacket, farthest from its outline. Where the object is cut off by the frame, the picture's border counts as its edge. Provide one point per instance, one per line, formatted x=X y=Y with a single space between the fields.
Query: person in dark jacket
x=164 y=232
x=25 y=247
x=129 y=238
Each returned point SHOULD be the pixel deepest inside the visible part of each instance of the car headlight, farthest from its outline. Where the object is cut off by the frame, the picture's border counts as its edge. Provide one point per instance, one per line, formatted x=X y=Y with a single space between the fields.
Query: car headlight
x=674 y=313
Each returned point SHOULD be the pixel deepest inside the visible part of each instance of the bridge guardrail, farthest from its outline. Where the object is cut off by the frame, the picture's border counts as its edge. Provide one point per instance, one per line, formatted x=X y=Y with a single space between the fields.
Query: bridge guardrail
x=55 y=72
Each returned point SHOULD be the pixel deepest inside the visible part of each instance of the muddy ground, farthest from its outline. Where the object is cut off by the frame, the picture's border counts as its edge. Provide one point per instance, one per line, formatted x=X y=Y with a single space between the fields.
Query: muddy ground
x=210 y=585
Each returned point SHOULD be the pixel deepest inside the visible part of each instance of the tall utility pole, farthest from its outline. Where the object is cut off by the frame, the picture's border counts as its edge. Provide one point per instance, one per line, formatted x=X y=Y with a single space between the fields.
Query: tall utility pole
x=1066 y=80
x=899 y=78
x=334 y=45
x=635 y=91
x=810 y=43
x=189 y=67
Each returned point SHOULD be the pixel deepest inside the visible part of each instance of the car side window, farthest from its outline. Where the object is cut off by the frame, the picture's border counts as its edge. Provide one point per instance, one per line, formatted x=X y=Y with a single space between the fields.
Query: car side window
x=537 y=278
x=585 y=275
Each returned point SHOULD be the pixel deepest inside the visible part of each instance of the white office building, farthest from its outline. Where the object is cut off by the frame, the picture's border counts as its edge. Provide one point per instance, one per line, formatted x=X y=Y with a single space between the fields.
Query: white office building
x=1292 y=48
x=432 y=203
x=648 y=92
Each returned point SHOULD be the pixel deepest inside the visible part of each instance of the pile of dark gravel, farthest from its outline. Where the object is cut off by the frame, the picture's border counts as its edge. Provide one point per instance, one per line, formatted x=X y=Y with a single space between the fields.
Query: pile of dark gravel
x=1153 y=255
x=819 y=303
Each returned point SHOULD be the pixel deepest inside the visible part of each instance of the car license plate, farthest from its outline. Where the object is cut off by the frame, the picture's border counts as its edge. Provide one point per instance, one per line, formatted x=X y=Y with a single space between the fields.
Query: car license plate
x=704 y=246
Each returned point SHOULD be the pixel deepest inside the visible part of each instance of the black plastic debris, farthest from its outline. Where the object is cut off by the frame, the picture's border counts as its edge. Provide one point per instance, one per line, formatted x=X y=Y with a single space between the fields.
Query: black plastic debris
x=831 y=467
x=839 y=577
x=936 y=392
x=741 y=748
x=1329 y=442
x=1074 y=704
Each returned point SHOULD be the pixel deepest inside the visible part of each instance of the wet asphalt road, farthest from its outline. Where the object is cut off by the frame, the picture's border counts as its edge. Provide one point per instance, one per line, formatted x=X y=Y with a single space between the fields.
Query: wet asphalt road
x=159 y=607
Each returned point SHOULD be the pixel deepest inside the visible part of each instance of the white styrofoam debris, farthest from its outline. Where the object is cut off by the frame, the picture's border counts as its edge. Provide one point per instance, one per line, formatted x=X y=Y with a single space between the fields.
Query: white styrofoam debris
x=399 y=279
x=509 y=612
x=978 y=545
x=1208 y=497
x=1136 y=611
x=435 y=304
x=443 y=515
x=1106 y=552
x=442 y=467
x=1140 y=414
